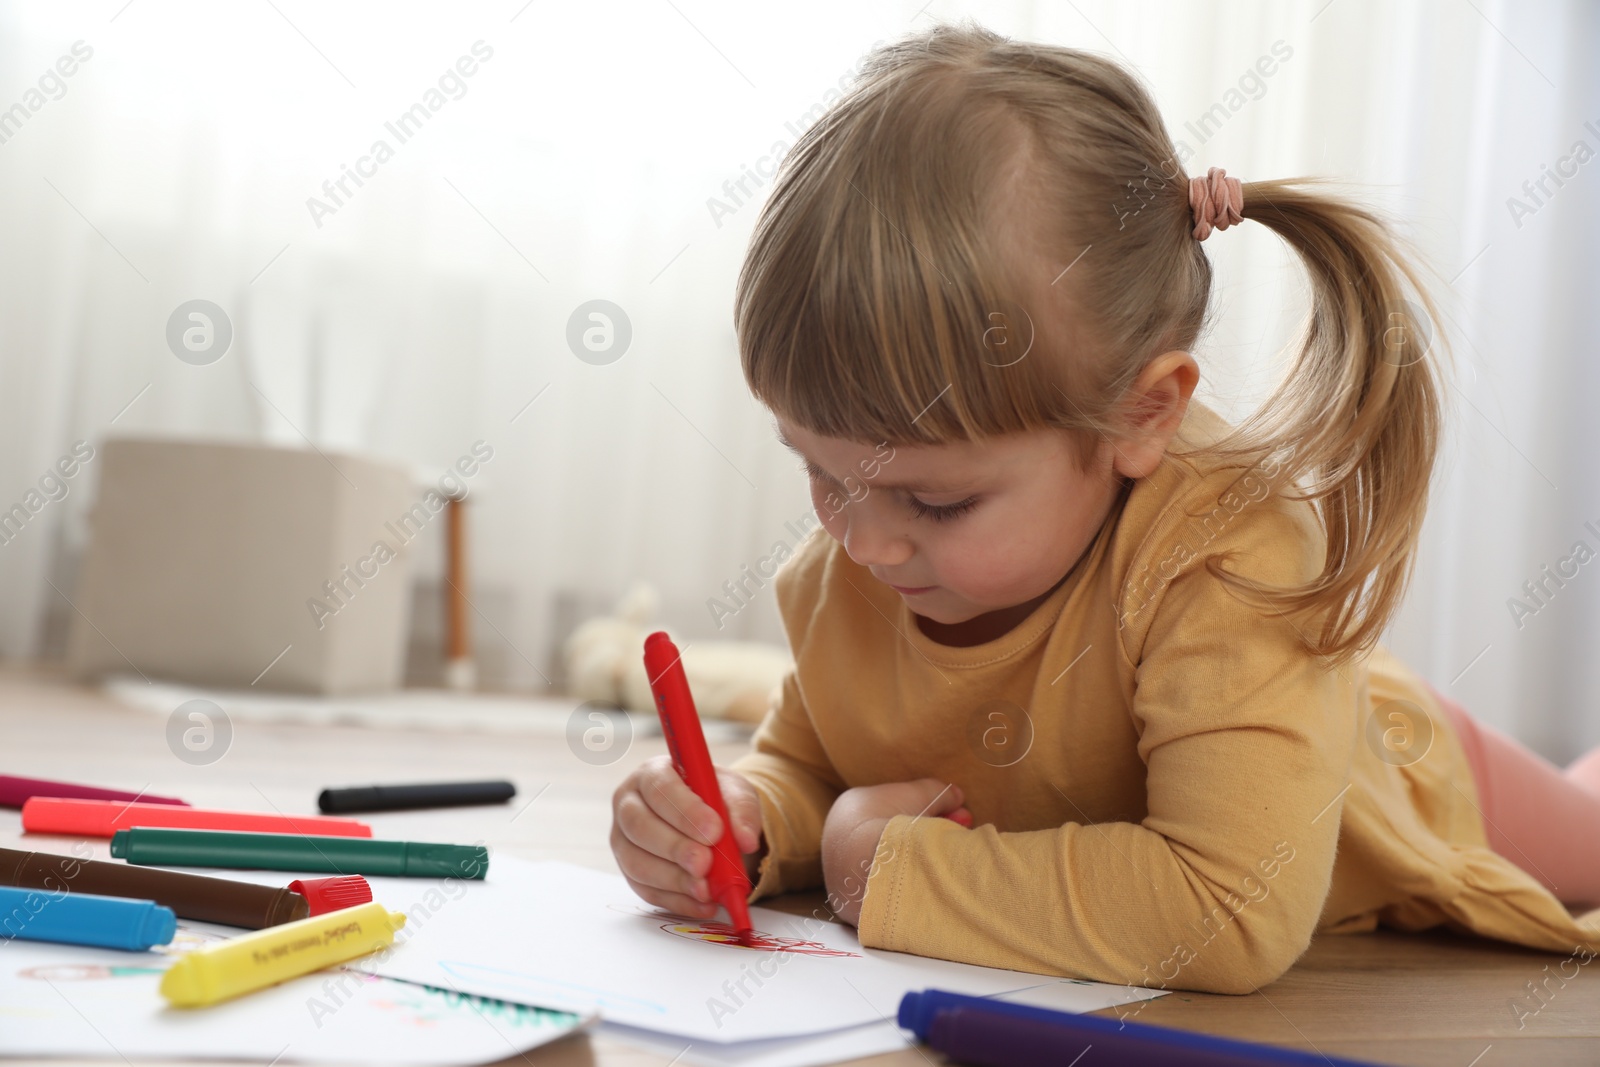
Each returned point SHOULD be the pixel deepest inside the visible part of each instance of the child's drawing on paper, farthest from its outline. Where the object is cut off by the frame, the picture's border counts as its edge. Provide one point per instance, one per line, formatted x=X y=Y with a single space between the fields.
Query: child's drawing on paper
x=428 y=1007
x=82 y=972
x=717 y=932
x=187 y=939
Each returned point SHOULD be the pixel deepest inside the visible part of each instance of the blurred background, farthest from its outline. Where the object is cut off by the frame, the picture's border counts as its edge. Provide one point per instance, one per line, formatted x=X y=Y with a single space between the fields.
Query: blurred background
x=539 y=264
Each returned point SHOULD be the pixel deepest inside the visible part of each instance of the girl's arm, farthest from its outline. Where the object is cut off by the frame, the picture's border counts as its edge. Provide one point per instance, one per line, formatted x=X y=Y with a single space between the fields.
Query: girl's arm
x=797 y=786
x=1247 y=742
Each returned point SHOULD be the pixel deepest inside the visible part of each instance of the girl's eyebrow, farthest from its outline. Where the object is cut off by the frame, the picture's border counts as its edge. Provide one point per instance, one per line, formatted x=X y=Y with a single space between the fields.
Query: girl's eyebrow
x=876 y=483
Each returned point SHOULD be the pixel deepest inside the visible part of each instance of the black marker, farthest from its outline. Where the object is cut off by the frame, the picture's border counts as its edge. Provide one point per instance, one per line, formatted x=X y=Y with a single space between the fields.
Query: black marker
x=402 y=797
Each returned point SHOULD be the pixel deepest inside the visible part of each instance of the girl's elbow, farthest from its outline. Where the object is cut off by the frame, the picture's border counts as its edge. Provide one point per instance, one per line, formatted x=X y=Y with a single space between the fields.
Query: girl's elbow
x=1254 y=956
x=1251 y=974
x=1262 y=961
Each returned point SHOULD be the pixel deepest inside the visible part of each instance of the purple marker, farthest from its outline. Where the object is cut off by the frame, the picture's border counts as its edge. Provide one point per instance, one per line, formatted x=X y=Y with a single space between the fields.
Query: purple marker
x=985 y=1032
x=15 y=791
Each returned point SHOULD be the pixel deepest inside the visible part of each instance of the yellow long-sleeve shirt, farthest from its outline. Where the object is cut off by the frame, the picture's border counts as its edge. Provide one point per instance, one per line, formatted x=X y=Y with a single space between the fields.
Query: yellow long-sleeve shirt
x=1167 y=790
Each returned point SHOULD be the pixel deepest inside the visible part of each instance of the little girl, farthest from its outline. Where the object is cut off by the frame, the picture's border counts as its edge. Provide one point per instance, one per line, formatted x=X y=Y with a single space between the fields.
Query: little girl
x=1129 y=650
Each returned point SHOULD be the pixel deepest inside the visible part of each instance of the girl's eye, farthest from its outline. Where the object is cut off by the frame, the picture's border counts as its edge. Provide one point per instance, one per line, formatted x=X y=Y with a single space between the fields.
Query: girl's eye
x=941 y=512
x=921 y=509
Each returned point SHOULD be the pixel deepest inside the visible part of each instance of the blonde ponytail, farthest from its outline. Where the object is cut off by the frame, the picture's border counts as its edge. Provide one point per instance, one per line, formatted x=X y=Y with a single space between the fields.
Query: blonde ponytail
x=1355 y=424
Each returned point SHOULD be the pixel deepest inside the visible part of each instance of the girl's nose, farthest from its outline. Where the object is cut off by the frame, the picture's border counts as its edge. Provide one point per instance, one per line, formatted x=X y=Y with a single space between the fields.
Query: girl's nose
x=872 y=542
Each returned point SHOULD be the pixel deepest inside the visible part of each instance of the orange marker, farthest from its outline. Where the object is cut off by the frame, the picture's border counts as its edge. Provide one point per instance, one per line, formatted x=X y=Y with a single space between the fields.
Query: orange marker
x=103 y=818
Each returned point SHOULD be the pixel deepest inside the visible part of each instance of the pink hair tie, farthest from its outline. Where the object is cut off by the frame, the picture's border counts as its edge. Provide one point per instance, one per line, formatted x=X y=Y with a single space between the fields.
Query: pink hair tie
x=1216 y=201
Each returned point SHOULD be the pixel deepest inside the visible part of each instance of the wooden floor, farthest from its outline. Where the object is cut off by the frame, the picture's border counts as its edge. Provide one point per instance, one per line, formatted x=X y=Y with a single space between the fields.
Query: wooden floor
x=1439 y=999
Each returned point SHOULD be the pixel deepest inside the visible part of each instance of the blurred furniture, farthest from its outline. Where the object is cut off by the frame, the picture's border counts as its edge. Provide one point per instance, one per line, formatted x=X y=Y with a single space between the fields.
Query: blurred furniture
x=234 y=565
x=460 y=669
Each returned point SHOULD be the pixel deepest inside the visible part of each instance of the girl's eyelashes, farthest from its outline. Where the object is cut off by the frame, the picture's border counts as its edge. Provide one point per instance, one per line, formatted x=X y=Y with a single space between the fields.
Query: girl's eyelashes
x=941 y=512
x=921 y=509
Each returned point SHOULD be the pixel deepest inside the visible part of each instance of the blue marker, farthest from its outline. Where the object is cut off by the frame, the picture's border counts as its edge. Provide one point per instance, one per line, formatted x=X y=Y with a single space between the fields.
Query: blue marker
x=84 y=919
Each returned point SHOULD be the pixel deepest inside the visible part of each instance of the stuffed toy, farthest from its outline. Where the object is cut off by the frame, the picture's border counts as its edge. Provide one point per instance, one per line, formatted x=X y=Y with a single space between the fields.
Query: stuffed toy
x=730 y=679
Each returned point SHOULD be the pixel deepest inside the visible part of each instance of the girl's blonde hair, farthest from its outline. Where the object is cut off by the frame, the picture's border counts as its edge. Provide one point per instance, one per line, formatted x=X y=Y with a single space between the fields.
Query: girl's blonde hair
x=987 y=236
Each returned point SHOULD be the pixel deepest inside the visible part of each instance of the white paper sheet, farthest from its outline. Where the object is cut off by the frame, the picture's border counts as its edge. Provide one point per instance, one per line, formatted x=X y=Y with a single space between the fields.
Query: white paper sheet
x=859 y=1042
x=1071 y=994
x=67 y=1000
x=835 y=1046
x=566 y=937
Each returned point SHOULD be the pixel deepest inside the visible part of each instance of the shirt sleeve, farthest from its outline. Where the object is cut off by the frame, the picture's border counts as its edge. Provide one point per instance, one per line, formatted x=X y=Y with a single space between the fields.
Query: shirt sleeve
x=797 y=785
x=1247 y=743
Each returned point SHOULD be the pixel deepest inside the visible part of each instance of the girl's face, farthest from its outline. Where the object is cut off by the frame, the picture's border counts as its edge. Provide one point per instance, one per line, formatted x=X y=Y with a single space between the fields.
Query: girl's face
x=959 y=530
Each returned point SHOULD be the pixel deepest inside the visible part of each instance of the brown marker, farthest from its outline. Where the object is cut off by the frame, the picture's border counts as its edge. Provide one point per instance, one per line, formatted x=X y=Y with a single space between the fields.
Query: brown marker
x=192 y=896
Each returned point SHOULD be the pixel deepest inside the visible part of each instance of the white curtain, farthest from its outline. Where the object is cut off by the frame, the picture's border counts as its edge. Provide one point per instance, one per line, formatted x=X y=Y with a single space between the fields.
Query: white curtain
x=422 y=310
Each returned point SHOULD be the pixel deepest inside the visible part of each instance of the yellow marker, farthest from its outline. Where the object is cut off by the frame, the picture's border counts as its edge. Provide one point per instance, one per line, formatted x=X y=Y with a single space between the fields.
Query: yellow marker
x=278 y=953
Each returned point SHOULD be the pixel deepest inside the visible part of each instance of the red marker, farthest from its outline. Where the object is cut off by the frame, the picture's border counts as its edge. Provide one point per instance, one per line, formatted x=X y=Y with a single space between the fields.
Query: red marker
x=692 y=760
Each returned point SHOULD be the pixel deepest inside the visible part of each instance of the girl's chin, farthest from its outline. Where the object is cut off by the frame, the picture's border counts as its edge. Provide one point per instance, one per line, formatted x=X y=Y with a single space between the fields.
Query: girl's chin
x=942 y=615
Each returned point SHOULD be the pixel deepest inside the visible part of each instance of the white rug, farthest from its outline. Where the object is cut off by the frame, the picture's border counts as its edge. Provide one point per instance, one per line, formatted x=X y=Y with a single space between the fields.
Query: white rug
x=405 y=709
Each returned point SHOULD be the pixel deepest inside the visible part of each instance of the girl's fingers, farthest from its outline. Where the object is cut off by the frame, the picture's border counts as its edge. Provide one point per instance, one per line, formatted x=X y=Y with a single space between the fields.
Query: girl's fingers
x=655 y=872
x=676 y=903
x=671 y=798
x=939 y=798
x=640 y=824
x=744 y=809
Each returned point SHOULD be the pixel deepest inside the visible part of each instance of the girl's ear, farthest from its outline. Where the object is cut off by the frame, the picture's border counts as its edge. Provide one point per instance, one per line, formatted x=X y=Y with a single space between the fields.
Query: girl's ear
x=1157 y=400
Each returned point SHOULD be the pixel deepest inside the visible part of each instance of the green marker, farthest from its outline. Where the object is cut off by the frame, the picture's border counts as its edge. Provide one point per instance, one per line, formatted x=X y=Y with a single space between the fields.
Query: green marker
x=297 y=852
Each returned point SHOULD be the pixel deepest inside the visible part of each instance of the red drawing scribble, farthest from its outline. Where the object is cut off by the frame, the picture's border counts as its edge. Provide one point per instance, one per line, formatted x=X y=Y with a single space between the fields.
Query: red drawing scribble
x=716 y=932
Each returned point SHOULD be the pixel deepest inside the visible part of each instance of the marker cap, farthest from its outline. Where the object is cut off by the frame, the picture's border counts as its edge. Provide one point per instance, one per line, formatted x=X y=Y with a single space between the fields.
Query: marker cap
x=423 y=859
x=330 y=894
x=160 y=926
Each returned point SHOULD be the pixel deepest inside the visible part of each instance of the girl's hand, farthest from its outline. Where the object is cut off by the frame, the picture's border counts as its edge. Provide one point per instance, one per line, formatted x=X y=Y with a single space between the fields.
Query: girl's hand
x=661 y=834
x=855 y=823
